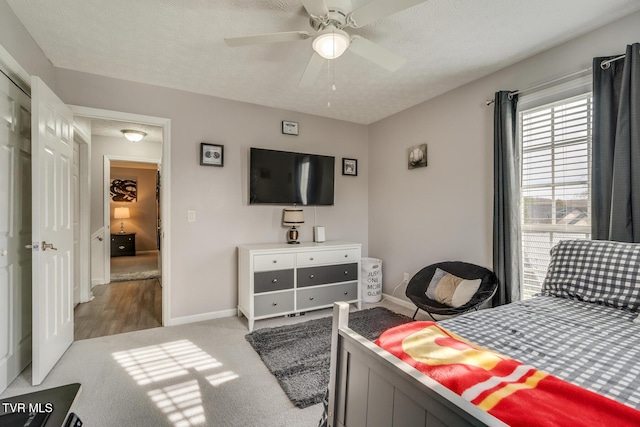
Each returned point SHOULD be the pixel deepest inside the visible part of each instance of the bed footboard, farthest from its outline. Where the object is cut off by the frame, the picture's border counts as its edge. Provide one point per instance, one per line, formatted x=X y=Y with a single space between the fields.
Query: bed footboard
x=370 y=387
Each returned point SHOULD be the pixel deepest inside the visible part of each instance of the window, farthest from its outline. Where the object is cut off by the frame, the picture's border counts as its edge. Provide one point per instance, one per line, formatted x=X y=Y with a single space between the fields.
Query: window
x=556 y=181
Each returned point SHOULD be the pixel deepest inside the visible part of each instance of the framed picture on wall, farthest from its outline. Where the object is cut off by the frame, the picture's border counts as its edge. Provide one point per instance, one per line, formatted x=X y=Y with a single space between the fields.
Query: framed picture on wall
x=124 y=190
x=289 y=128
x=211 y=154
x=417 y=156
x=350 y=167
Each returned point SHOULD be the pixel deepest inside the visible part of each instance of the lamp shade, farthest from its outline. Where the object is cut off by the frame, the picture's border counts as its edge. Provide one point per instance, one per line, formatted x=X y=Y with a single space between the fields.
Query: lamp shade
x=292 y=217
x=120 y=213
x=331 y=42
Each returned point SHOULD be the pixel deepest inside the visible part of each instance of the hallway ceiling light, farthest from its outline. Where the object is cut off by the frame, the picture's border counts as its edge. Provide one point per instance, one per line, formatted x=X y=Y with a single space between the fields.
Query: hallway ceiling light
x=133 y=135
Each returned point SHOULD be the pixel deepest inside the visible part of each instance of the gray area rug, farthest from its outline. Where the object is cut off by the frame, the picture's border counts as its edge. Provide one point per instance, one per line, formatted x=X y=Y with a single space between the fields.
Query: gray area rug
x=299 y=355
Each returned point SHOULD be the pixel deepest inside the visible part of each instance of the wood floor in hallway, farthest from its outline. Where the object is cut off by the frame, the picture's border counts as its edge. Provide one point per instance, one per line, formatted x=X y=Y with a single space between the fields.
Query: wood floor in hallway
x=120 y=307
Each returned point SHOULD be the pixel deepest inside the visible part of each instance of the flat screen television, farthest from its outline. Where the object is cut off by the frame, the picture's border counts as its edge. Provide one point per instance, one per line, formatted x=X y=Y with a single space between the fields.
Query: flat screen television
x=282 y=177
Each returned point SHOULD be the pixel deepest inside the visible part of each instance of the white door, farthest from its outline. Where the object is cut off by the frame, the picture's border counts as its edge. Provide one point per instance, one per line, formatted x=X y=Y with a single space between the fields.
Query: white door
x=52 y=168
x=15 y=231
x=77 y=279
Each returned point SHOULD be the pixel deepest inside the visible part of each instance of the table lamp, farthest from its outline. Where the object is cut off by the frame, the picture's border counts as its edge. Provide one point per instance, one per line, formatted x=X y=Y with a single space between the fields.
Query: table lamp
x=121 y=213
x=292 y=217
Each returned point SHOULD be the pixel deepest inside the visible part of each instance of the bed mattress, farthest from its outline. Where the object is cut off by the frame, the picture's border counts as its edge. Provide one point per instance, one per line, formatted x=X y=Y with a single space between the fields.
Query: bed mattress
x=589 y=345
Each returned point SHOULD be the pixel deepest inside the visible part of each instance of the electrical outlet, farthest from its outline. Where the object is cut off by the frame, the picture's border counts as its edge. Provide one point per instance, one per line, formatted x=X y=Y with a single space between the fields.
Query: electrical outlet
x=406 y=277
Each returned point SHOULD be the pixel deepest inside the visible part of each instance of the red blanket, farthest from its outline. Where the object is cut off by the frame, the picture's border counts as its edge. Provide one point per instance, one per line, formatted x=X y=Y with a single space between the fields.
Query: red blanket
x=511 y=391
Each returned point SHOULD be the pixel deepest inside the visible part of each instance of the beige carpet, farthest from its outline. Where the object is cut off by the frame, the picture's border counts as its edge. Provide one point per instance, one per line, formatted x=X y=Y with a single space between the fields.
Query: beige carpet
x=201 y=374
x=139 y=267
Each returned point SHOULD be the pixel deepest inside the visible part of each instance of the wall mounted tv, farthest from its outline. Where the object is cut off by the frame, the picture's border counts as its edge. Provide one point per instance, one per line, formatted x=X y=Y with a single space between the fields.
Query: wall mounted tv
x=282 y=177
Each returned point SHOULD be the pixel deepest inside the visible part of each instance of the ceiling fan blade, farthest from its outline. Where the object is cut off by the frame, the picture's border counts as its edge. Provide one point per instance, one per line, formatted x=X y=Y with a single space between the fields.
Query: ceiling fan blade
x=378 y=9
x=289 y=36
x=376 y=53
x=315 y=7
x=312 y=71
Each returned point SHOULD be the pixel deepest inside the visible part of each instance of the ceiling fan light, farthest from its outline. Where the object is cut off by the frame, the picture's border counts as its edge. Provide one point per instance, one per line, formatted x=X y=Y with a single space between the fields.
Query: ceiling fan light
x=331 y=42
x=133 y=135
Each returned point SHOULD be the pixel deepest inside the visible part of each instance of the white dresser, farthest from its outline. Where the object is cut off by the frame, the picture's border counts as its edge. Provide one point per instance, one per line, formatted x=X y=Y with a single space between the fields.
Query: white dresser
x=280 y=279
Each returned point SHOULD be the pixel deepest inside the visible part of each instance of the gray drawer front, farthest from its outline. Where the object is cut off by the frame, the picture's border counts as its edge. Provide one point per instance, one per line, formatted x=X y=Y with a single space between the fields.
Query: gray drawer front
x=325 y=295
x=279 y=302
x=312 y=276
x=276 y=280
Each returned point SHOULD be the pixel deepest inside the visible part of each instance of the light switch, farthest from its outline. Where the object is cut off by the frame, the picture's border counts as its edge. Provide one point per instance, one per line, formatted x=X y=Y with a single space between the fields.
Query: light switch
x=191 y=216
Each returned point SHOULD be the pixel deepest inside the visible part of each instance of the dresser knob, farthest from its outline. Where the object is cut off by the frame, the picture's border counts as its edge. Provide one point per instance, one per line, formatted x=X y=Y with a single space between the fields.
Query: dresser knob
x=274 y=281
x=346 y=272
x=346 y=255
x=310 y=258
x=310 y=298
x=346 y=292
x=275 y=261
x=274 y=304
x=120 y=247
x=311 y=276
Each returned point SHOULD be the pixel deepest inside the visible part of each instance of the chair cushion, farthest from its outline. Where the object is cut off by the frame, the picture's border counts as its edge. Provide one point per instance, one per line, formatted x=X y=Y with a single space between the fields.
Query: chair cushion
x=451 y=290
x=595 y=271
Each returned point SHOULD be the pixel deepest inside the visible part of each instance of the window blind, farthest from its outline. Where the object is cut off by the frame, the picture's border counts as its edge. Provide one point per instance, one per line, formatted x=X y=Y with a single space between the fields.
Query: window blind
x=556 y=181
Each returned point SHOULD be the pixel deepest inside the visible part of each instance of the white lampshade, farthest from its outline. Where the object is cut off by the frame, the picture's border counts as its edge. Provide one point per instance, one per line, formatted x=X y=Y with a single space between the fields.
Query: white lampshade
x=133 y=135
x=120 y=213
x=293 y=217
x=331 y=42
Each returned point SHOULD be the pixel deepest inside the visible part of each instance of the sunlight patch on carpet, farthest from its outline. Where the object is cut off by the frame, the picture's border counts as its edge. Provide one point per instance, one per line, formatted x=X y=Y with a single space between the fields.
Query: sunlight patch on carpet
x=164 y=361
x=181 y=403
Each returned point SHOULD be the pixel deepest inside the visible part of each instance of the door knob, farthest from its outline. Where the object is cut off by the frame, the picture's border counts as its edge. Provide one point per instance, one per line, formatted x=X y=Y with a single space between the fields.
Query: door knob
x=46 y=246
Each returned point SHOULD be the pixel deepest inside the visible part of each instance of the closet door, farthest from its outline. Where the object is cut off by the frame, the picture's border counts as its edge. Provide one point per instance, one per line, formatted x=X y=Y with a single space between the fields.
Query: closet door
x=15 y=231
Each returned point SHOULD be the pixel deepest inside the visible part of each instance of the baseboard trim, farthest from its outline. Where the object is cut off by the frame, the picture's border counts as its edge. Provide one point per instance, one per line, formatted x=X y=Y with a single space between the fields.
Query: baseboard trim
x=202 y=317
x=399 y=301
x=96 y=282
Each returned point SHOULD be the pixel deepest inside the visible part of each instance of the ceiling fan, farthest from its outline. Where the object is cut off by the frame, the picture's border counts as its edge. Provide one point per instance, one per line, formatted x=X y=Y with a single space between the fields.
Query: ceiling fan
x=330 y=18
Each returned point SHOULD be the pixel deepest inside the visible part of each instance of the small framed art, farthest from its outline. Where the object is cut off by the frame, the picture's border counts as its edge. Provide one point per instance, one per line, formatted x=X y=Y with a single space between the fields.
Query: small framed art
x=211 y=154
x=350 y=167
x=417 y=156
x=289 y=128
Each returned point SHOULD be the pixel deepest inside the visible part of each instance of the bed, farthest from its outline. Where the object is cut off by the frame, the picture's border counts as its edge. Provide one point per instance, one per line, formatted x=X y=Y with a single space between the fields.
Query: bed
x=581 y=331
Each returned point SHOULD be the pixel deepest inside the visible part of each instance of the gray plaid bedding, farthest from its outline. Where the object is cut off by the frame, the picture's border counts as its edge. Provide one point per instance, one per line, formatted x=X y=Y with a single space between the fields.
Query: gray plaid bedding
x=590 y=345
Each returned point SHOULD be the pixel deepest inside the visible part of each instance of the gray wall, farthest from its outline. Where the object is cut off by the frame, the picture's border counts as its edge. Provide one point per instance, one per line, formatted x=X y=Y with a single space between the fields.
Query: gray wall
x=203 y=263
x=445 y=211
x=19 y=43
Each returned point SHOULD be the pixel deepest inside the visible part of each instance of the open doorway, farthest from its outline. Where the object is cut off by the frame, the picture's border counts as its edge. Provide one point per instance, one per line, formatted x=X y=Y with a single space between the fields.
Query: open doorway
x=126 y=194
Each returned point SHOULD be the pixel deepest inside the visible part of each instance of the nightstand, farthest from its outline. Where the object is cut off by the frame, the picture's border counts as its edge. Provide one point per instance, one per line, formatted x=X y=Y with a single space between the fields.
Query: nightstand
x=123 y=244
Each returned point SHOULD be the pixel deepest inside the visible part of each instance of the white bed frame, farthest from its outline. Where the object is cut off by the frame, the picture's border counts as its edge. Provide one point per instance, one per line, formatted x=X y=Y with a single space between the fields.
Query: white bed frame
x=370 y=387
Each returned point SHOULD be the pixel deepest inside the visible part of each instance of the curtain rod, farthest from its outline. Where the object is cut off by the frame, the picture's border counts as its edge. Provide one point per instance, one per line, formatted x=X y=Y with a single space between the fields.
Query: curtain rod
x=604 y=65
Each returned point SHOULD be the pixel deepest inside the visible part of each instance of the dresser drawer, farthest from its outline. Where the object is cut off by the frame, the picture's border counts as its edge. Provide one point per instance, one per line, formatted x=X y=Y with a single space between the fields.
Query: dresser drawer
x=277 y=302
x=312 y=276
x=276 y=280
x=344 y=256
x=325 y=295
x=273 y=262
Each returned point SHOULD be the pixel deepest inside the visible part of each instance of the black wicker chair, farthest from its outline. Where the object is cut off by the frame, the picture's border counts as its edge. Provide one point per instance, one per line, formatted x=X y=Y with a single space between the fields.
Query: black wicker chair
x=417 y=287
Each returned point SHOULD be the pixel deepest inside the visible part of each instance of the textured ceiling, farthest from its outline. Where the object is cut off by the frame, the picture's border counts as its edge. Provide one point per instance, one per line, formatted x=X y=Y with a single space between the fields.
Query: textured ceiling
x=179 y=44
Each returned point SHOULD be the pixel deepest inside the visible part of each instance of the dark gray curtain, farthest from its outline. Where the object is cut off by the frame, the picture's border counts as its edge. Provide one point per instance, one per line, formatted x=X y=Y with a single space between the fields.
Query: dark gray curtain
x=616 y=148
x=506 y=200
